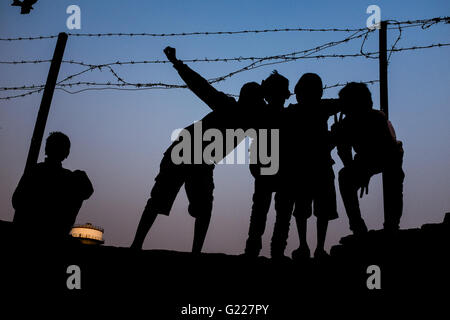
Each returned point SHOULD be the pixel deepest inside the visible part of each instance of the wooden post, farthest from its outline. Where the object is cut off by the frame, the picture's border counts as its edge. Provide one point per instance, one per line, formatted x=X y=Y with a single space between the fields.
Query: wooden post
x=41 y=121
x=384 y=106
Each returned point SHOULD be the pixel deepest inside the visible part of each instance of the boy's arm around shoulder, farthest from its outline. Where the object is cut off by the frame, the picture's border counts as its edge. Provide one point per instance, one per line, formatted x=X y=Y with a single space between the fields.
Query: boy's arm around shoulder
x=331 y=106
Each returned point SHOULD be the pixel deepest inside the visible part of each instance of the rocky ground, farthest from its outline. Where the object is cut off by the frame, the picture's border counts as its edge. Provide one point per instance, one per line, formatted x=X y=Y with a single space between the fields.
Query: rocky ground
x=412 y=262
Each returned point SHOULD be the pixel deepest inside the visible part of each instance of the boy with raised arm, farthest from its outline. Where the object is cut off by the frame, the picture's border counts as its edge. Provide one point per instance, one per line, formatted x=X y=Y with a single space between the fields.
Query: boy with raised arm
x=195 y=171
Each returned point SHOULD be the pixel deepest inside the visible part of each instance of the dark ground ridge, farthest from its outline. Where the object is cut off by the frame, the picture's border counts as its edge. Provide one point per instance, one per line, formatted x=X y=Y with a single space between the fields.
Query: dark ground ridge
x=413 y=262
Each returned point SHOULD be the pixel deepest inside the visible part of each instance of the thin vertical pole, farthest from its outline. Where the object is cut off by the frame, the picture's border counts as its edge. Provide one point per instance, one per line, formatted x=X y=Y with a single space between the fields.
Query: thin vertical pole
x=384 y=106
x=46 y=101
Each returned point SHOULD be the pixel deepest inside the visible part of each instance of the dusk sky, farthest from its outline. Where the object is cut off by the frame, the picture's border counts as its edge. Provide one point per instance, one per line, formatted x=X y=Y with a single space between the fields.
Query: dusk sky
x=118 y=137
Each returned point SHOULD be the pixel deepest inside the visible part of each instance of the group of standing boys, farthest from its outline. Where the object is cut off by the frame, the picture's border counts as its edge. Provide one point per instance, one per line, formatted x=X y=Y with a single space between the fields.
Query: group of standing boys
x=304 y=184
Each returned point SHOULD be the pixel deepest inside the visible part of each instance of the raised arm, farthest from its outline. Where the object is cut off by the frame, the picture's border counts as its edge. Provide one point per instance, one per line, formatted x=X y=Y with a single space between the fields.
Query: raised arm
x=198 y=85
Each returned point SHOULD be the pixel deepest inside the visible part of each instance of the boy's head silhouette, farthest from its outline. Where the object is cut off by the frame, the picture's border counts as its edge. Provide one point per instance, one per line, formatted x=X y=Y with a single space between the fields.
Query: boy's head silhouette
x=276 y=89
x=355 y=98
x=309 y=88
x=251 y=95
x=57 y=146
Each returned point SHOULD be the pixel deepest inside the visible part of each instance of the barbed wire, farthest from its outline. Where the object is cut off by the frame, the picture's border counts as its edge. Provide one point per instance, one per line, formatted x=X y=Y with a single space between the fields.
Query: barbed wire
x=29 y=38
x=369 y=54
x=434 y=45
x=293 y=55
x=361 y=50
x=26 y=61
x=345 y=83
x=233 y=59
x=256 y=62
x=132 y=62
x=159 y=85
x=181 y=34
x=424 y=23
x=123 y=83
x=124 y=86
x=21 y=95
x=253 y=65
x=396 y=40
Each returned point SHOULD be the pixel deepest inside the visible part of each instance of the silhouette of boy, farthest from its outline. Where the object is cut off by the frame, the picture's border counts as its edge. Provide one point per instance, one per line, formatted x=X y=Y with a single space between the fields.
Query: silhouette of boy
x=197 y=178
x=276 y=92
x=306 y=167
x=377 y=150
x=49 y=194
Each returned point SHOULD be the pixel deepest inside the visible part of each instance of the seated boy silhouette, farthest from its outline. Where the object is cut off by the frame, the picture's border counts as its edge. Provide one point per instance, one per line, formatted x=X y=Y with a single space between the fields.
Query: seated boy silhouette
x=377 y=150
x=276 y=92
x=50 y=195
x=307 y=172
x=227 y=113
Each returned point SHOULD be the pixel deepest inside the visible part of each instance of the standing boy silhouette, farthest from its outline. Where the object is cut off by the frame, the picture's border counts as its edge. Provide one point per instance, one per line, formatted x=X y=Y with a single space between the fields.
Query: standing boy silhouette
x=307 y=172
x=276 y=92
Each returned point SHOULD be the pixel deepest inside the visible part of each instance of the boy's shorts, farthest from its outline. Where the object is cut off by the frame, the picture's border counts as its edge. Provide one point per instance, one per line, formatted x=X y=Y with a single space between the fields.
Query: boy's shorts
x=319 y=193
x=198 y=183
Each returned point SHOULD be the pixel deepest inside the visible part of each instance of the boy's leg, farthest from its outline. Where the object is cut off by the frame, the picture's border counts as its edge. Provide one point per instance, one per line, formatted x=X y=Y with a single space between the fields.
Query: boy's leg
x=200 y=230
x=147 y=219
x=167 y=185
x=302 y=252
x=325 y=207
x=199 y=187
x=302 y=211
x=284 y=204
x=322 y=226
x=301 y=228
x=261 y=204
x=348 y=184
x=393 y=202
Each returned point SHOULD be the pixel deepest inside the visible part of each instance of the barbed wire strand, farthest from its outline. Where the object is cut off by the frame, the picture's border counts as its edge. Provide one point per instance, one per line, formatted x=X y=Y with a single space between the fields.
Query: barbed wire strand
x=233 y=59
x=137 y=87
x=424 y=23
x=361 y=50
x=396 y=40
